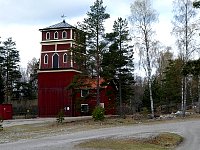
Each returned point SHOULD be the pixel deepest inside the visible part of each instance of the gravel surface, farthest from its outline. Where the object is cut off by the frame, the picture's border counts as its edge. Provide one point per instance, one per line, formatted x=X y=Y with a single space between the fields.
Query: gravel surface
x=190 y=130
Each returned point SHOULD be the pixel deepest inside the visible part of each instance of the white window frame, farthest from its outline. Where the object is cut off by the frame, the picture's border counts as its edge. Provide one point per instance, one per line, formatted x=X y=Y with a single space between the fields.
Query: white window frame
x=82 y=92
x=48 y=35
x=55 y=35
x=65 y=35
x=46 y=55
x=85 y=105
x=65 y=54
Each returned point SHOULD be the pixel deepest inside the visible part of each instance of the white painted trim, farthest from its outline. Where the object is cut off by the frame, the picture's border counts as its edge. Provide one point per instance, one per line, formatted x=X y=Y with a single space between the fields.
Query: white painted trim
x=47 y=59
x=54 y=51
x=56 y=41
x=85 y=105
x=56 y=29
x=65 y=35
x=55 y=34
x=49 y=36
x=71 y=60
x=56 y=47
x=67 y=70
x=71 y=34
x=64 y=57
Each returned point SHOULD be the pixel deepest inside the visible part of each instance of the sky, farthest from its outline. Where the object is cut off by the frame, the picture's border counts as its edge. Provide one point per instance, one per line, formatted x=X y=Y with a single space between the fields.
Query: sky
x=22 y=19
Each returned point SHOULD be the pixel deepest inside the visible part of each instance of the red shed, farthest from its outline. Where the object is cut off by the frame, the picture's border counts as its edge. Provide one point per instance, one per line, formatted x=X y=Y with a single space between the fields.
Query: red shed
x=6 y=111
x=85 y=98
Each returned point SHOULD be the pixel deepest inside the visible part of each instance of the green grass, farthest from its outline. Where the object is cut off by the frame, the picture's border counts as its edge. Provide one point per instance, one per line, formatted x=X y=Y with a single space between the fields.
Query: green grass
x=163 y=141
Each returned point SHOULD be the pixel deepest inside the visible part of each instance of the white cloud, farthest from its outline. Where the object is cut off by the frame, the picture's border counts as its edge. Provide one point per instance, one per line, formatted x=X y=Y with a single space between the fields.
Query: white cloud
x=21 y=19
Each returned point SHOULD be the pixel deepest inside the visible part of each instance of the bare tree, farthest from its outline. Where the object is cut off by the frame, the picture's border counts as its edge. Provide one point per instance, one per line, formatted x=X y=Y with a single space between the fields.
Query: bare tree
x=143 y=17
x=185 y=31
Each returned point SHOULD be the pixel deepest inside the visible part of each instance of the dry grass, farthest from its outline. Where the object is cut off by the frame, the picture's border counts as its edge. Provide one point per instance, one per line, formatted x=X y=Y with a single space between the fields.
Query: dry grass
x=163 y=141
x=31 y=131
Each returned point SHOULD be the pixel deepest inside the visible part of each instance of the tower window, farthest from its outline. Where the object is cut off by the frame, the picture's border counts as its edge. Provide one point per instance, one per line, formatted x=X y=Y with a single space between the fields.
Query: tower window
x=46 y=59
x=55 y=61
x=47 y=35
x=64 y=34
x=65 y=58
x=56 y=35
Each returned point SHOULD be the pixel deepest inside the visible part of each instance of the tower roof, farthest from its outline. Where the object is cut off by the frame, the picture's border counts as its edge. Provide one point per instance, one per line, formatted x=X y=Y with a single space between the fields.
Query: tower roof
x=62 y=24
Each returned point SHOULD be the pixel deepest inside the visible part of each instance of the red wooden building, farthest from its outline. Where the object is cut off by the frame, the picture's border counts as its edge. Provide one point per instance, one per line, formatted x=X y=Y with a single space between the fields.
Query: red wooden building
x=6 y=111
x=57 y=70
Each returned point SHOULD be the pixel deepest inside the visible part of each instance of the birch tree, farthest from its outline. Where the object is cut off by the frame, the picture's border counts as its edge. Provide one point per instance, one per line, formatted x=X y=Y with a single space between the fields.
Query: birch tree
x=184 y=29
x=143 y=17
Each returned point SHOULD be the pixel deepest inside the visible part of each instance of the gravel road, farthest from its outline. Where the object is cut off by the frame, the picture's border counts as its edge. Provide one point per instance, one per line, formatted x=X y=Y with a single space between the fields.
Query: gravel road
x=188 y=129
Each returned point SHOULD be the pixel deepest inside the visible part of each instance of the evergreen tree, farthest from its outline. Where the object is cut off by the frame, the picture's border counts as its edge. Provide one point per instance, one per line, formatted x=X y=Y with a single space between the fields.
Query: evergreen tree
x=117 y=62
x=9 y=62
x=172 y=83
x=2 y=94
x=93 y=26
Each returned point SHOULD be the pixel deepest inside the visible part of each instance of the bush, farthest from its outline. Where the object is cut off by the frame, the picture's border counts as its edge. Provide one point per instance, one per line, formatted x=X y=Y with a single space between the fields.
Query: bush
x=98 y=113
x=60 y=117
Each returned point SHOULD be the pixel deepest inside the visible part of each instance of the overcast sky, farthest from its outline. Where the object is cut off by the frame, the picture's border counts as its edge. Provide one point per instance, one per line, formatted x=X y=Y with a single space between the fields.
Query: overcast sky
x=22 y=19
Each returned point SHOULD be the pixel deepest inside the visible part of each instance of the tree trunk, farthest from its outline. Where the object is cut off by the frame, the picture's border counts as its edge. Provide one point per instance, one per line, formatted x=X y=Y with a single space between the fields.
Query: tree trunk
x=182 y=94
x=98 y=67
x=185 y=96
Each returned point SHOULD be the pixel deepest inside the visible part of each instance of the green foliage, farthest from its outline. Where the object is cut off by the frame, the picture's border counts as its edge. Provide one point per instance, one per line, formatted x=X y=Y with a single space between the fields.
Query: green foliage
x=192 y=67
x=117 y=63
x=9 y=62
x=98 y=113
x=196 y=4
x=2 y=93
x=60 y=116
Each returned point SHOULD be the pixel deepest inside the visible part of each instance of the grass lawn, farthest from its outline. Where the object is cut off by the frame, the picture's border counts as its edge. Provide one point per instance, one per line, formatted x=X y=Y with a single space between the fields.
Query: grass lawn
x=163 y=141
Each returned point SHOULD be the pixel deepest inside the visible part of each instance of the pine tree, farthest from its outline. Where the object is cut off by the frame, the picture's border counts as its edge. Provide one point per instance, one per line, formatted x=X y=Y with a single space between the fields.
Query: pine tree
x=9 y=62
x=93 y=26
x=117 y=63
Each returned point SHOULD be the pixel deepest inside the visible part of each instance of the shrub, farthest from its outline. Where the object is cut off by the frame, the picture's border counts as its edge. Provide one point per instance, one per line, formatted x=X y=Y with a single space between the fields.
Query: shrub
x=98 y=113
x=60 y=117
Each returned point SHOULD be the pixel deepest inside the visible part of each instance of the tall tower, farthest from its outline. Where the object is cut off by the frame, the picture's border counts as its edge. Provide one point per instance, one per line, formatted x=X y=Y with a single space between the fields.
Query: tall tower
x=57 y=69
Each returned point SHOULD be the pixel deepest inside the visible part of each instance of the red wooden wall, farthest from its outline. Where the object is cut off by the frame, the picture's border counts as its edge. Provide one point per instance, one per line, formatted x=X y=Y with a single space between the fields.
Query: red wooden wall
x=6 y=111
x=52 y=93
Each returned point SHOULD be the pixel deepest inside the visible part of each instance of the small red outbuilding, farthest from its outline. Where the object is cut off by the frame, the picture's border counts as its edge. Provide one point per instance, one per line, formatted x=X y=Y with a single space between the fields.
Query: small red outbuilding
x=6 y=111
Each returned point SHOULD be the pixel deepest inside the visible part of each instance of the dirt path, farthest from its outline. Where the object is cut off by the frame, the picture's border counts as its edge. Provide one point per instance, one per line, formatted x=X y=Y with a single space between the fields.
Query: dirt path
x=189 y=129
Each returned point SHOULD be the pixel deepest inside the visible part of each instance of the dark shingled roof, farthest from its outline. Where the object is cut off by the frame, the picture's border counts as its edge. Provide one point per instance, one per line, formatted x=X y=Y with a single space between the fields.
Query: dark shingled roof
x=62 y=24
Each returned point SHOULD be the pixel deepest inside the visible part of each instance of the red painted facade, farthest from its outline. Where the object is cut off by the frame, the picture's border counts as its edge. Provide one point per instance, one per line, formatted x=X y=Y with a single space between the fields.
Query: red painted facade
x=53 y=95
x=6 y=111
x=56 y=72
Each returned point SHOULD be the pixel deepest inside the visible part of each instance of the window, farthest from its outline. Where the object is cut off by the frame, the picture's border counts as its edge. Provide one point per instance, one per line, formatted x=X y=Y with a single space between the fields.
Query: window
x=65 y=58
x=47 y=35
x=46 y=59
x=64 y=34
x=55 y=61
x=84 y=108
x=84 y=93
x=56 y=35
